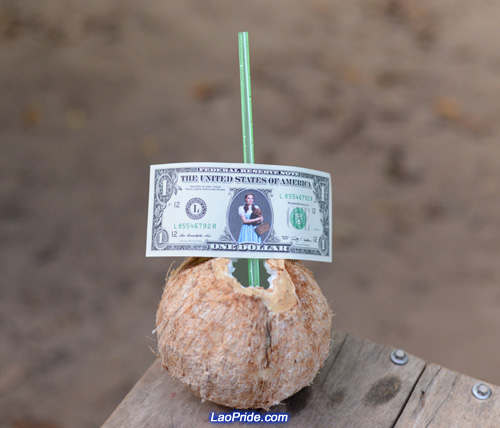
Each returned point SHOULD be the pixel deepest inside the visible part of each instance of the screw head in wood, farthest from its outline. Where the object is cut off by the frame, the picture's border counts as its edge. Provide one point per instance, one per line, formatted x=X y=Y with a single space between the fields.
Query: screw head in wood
x=399 y=357
x=481 y=391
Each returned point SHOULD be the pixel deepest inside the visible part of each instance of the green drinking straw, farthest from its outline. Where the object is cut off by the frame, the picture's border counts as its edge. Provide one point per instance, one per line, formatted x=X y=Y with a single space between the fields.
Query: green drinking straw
x=246 y=119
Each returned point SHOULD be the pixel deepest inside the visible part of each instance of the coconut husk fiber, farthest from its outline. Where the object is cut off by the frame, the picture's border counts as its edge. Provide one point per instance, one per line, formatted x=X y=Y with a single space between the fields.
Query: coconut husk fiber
x=242 y=347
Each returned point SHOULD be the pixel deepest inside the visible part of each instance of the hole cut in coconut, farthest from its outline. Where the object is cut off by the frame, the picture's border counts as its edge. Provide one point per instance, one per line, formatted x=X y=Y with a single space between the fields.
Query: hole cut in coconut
x=238 y=268
x=278 y=297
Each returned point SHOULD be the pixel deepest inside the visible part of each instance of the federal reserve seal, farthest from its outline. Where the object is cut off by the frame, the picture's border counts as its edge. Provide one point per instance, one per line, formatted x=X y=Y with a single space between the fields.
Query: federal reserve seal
x=196 y=208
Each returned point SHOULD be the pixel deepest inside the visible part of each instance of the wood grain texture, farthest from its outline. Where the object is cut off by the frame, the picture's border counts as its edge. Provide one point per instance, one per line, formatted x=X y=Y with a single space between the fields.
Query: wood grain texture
x=361 y=387
x=358 y=387
x=443 y=398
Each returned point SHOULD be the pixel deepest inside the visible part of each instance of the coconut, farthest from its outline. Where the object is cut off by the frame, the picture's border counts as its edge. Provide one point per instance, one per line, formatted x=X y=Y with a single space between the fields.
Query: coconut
x=242 y=347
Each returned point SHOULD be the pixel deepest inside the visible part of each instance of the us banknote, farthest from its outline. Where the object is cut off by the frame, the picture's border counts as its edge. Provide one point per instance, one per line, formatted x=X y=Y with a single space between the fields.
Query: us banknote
x=239 y=211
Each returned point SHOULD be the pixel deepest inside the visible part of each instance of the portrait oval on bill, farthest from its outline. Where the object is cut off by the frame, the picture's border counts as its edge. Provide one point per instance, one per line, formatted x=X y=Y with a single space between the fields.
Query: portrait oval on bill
x=250 y=216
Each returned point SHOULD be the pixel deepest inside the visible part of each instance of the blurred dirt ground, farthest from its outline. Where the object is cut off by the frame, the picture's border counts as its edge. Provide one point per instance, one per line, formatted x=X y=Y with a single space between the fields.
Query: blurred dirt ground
x=398 y=99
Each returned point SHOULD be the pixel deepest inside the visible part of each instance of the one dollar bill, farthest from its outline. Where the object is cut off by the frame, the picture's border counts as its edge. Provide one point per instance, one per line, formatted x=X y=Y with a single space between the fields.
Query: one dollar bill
x=239 y=211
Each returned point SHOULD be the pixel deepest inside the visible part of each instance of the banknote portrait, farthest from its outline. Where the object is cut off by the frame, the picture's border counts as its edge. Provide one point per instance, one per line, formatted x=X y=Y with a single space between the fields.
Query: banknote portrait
x=250 y=216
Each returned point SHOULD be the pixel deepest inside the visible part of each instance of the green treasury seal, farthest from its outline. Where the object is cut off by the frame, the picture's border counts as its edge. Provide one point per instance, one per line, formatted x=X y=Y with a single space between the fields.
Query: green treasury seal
x=298 y=218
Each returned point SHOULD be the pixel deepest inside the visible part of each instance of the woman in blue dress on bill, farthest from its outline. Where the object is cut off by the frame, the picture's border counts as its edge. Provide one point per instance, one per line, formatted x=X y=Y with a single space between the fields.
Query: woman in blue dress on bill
x=247 y=233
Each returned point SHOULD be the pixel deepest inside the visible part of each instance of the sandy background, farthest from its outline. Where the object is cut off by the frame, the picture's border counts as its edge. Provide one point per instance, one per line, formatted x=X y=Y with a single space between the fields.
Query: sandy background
x=398 y=99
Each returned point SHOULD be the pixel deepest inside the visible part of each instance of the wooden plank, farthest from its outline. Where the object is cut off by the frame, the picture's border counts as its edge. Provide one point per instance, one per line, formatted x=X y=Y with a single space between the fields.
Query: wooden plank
x=358 y=386
x=443 y=398
x=361 y=387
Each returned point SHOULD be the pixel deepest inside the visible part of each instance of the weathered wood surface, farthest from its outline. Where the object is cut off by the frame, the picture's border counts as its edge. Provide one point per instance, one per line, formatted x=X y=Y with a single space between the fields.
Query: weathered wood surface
x=443 y=398
x=359 y=386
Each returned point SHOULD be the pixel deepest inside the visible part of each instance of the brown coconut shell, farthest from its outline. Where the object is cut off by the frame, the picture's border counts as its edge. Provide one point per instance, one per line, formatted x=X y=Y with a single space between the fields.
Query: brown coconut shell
x=242 y=347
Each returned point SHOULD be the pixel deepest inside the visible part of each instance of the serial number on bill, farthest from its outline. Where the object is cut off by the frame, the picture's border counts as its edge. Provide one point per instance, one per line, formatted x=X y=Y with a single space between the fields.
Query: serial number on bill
x=202 y=226
x=296 y=197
